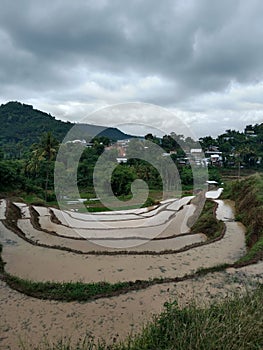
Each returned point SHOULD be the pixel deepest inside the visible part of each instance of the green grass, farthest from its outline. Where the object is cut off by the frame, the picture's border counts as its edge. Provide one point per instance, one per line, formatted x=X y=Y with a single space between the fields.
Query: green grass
x=94 y=209
x=234 y=324
x=248 y=195
x=80 y=291
x=255 y=252
x=68 y=291
x=30 y=198
x=207 y=222
x=226 y=194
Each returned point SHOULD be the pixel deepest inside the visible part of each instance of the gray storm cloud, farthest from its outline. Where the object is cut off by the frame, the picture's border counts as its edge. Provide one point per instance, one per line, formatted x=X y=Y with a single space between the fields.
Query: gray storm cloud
x=187 y=56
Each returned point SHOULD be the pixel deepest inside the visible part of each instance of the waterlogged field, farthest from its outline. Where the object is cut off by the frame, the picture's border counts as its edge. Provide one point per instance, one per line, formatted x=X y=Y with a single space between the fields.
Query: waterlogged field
x=131 y=262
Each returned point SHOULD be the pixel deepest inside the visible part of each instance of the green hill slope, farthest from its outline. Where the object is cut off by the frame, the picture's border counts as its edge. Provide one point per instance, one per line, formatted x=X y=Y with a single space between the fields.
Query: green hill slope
x=21 y=125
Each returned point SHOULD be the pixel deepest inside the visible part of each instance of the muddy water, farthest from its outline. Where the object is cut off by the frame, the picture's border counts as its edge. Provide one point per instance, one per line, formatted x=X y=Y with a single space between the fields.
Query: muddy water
x=255 y=271
x=179 y=223
x=214 y=194
x=155 y=220
x=225 y=210
x=121 y=219
x=87 y=246
x=164 y=221
x=42 y=264
x=145 y=233
x=31 y=320
x=24 y=210
x=169 y=222
x=2 y=209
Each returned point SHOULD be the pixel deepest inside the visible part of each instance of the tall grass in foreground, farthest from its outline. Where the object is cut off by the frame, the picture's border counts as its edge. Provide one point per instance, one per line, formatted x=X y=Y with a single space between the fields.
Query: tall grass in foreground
x=235 y=324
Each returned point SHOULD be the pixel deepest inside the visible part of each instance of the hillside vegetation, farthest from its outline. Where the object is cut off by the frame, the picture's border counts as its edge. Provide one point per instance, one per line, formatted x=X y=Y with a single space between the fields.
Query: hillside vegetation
x=21 y=125
x=248 y=196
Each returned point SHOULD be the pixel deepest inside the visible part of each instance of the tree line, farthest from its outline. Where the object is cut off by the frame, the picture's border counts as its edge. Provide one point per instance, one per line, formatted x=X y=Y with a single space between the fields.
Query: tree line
x=33 y=170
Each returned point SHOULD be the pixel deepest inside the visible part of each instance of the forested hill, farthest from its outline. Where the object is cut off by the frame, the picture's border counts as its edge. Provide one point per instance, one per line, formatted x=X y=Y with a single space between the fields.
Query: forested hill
x=21 y=125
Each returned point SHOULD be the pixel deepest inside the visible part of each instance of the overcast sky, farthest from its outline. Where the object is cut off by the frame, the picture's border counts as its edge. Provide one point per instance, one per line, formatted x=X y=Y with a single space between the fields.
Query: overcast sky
x=201 y=59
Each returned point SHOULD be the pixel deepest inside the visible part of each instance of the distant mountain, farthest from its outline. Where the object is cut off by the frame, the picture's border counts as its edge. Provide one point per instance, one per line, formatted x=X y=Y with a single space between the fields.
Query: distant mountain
x=85 y=131
x=21 y=125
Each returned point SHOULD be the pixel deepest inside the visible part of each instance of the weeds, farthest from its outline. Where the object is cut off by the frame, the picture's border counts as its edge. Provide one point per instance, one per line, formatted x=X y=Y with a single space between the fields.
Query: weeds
x=234 y=324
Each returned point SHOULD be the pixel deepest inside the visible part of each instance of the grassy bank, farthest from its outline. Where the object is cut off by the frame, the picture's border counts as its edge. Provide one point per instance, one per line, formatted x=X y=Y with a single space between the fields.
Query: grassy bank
x=248 y=196
x=207 y=222
x=80 y=291
x=70 y=291
x=234 y=324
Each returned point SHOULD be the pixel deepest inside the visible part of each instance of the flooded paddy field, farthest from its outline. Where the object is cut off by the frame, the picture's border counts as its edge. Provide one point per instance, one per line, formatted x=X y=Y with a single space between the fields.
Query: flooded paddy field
x=113 y=247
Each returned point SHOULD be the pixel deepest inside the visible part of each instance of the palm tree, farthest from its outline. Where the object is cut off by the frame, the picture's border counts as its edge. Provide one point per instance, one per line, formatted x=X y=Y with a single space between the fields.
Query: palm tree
x=45 y=151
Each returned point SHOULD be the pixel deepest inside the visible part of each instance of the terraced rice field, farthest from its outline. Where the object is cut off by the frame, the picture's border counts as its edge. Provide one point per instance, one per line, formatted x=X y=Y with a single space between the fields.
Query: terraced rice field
x=90 y=239
x=52 y=245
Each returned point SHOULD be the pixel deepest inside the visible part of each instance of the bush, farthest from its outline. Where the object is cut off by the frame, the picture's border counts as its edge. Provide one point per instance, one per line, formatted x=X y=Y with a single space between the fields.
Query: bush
x=149 y=202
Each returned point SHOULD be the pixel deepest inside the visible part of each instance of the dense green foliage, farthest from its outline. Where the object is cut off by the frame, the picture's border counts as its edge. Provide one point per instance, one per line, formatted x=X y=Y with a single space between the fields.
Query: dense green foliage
x=244 y=148
x=21 y=125
x=247 y=194
x=11 y=175
x=29 y=142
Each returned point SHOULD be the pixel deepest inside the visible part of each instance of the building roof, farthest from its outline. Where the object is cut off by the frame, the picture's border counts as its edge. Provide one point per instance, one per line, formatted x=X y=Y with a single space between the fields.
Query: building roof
x=196 y=150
